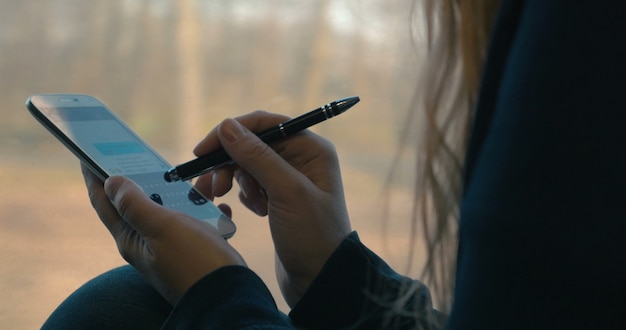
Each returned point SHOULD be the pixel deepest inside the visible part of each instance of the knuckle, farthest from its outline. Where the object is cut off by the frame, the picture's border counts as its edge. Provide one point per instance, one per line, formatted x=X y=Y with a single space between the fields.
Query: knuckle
x=124 y=204
x=127 y=239
x=259 y=113
x=262 y=119
x=327 y=146
x=258 y=149
x=122 y=242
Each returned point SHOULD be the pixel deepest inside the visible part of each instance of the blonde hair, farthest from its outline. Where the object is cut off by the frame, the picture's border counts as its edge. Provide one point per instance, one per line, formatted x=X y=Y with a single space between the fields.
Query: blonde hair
x=456 y=36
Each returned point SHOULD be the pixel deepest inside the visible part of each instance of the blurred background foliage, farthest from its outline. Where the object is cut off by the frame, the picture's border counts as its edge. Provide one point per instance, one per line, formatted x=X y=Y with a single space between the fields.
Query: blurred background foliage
x=173 y=70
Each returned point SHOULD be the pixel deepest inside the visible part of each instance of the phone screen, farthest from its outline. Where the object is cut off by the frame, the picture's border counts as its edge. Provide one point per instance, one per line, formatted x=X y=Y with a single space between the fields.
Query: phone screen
x=118 y=151
x=111 y=145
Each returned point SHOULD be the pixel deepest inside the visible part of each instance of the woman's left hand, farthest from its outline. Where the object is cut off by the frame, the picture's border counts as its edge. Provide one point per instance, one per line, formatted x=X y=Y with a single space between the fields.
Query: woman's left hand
x=170 y=249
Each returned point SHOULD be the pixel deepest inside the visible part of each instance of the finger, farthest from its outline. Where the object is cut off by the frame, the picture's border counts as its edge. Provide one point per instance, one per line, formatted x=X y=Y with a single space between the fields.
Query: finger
x=225 y=208
x=252 y=195
x=255 y=122
x=93 y=183
x=222 y=180
x=216 y=183
x=134 y=206
x=204 y=184
x=257 y=158
x=101 y=203
x=256 y=207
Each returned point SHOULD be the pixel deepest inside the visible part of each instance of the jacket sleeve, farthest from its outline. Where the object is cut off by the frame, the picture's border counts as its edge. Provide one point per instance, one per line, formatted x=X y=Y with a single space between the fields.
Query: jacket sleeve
x=357 y=289
x=232 y=297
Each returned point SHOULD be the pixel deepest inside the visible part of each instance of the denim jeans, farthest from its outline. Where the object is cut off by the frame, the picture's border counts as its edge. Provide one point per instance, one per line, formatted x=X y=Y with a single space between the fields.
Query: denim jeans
x=117 y=299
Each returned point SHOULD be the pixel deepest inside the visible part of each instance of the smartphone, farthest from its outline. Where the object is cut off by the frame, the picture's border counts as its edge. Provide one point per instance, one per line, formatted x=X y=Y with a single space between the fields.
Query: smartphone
x=106 y=145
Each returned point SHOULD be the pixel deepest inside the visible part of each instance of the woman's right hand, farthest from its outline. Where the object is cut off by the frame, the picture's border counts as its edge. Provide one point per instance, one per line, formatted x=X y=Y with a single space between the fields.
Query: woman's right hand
x=297 y=182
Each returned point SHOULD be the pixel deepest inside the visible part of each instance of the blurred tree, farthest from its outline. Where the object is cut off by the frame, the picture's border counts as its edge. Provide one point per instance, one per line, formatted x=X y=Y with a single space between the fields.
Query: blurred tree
x=191 y=85
x=319 y=52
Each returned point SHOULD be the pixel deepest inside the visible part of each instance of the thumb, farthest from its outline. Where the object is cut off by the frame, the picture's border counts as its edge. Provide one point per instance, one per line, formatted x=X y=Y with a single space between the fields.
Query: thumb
x=132 y=204
x=256 y=157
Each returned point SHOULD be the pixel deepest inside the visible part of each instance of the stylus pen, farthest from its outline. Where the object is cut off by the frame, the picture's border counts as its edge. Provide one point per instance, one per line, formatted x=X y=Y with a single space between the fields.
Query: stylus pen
x=214 y=160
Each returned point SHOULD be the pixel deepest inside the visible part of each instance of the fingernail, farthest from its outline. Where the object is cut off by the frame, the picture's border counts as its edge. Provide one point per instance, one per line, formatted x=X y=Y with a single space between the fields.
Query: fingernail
x=260 y=208
x=231 y=130
x=263 y=193
x=214 y=182
x=243 y=184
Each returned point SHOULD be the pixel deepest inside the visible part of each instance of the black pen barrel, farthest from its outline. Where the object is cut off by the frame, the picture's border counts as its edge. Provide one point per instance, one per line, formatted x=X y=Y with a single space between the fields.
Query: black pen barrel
x=213 y=160
x=192 y=169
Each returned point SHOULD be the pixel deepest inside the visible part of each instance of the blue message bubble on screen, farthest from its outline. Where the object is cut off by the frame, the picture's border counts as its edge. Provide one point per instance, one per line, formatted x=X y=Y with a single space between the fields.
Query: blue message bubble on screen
x=119 y=148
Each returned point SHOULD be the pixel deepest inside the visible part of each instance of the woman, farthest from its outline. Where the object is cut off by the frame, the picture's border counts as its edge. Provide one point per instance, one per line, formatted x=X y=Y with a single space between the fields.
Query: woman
x=541 y=233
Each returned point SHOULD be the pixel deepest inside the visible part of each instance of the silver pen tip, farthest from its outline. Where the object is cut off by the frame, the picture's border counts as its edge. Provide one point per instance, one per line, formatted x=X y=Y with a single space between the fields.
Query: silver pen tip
x=171 y=175
x=346 y=103
x=351 y=100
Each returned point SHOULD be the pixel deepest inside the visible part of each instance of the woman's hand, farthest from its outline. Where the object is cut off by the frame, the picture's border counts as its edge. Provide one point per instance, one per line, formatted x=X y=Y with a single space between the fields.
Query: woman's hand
x=297 y=182
x=170 y=249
